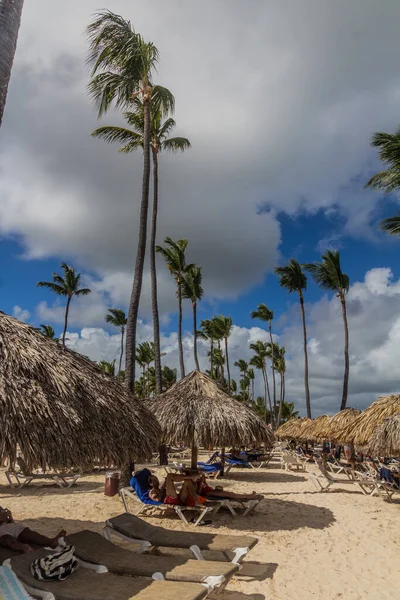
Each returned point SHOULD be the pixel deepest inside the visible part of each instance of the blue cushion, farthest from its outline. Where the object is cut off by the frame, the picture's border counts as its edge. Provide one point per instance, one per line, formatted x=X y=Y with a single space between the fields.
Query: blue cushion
x=140 y=484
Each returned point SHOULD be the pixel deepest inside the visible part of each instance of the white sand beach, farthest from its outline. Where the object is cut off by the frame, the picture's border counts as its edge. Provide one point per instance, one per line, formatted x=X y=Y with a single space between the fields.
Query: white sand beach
x=340 y=544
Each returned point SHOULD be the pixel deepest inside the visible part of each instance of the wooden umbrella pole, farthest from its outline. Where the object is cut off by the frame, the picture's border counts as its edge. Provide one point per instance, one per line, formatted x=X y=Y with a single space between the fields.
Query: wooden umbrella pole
x=194 y=456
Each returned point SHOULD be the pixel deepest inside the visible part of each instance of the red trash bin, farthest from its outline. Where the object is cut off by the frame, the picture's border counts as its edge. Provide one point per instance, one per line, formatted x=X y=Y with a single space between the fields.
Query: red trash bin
x=111 y=485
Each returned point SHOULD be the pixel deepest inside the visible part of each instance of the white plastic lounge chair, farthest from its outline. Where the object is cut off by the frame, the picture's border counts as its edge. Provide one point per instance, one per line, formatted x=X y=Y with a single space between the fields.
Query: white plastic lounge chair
x=203 y=510
x=291 y=463
x=323 y=481
x=248 y=506
x=91 y=583
x=133 y=529
x=24 y=476
x=94 y=548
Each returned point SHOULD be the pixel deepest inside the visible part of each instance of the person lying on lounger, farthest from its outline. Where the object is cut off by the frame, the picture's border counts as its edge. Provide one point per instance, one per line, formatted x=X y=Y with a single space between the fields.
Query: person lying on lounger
x=18 y=537
x=207 y=491
x=168 y=493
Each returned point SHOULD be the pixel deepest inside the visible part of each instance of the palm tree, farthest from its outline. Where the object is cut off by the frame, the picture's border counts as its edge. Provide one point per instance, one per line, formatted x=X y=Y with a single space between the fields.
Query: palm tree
x=288 y=411
x=49 y=332
x=10 y=20
x=218 y=360
x=259 y=360
x=145 y=356
x=391 y=225
x=108 y=367
x=264 y=314
x=280 y=366
x=123 y=64
x=207 y=333
x=292 y=278
x=168 y=378
x=233 y=386
x=224 y=326
x=242 y=365
x=131 y=140
x=174 y=256
x=117 y=317
x=65 y=286
x=192 y=290
x=250 y=375
x=329 y=276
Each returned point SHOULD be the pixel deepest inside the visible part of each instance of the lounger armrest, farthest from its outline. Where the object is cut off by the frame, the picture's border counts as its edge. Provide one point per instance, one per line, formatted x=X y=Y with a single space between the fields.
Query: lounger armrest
x=213 y=581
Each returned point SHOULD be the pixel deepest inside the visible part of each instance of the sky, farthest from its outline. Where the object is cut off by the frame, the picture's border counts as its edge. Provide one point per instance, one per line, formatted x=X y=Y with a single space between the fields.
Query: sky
x=279 y=102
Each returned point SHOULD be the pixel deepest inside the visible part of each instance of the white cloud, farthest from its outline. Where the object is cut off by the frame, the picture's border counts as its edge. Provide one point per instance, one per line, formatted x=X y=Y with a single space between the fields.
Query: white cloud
x=374 y=323
x=20 y=313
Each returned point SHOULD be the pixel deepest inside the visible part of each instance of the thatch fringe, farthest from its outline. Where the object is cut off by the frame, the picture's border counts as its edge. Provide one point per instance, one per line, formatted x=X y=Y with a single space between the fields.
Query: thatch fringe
x=361 y=430
x=327 y=430
x=61 y=409
x=311 y=431
x=292 y=429
x=196 y=411
x=386 y=439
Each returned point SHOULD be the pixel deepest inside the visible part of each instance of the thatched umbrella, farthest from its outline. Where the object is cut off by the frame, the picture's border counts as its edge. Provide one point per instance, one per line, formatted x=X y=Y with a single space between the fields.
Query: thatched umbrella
x=61 y=410
x=196 y=411
x=281 y=431
x=312 y=429
x=361 y=430
x=328 y=429
x=293 y=428
x=386 y=439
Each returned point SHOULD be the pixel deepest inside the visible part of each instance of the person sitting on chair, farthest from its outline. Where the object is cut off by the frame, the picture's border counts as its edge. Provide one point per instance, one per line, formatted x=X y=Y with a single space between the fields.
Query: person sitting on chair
x=18 y=537
x=167 y=492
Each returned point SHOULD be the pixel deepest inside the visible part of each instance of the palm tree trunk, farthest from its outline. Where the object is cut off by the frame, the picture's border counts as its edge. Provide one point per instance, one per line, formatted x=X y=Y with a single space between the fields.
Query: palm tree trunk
x=141 y=251
x=280 y=403
x=252 y=390
x=66 y=320
x=222 y=375
x=227 y=364
x=273 y=365
x=211 y=356
x=307 y=389
x=122 y=352
x=267 y=394
x=346 y=354
x=153 y=275
x=181 y=363
x=196 y=359
x=10 y=19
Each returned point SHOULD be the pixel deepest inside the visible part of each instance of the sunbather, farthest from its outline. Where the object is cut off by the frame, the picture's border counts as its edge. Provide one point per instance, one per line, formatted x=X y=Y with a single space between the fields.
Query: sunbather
x=18 y=537
x=207 y=491
x=167 y=492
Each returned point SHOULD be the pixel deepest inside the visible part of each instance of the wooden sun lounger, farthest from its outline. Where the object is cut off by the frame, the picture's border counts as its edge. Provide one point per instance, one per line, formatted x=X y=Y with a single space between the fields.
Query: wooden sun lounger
x=203 y=510
x=24 y=476
x=132 y=528
x=94 y=548
x=84 y=584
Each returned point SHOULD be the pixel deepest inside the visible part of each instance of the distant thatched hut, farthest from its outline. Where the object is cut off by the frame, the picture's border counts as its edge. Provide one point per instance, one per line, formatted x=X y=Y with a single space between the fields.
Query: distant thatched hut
x=61 y=410
x=361 y=430
x=328 y=429
x=311 y=431
x=386 y=439
x=196 y=411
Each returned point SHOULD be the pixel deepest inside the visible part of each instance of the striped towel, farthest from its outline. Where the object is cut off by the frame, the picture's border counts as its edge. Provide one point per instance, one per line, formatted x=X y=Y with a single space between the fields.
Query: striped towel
x=10 y=587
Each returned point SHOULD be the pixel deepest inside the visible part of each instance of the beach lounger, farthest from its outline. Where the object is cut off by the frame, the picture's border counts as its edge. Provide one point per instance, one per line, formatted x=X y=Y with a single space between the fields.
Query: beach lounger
x=10 y=586
x=290 y=463
x=85 y=584
x=323 y=481
x=94 y=548
x=24 y=476
x=139 y=492
x=131 y=528
x=248 y=506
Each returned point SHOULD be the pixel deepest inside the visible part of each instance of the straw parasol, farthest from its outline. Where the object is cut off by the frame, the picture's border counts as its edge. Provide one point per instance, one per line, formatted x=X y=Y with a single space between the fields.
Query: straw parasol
x=61 y=410
x=361 y=430
x=312 y=429
x=293 y=428
x=196 y=411
x=386 y=439
x=327 y=430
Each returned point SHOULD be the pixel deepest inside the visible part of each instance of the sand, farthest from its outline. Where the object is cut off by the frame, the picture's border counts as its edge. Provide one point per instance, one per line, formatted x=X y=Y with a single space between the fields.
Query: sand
x=336 y=545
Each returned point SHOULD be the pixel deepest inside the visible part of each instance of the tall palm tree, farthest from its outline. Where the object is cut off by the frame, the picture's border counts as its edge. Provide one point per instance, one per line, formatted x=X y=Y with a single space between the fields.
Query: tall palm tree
x=259 y=360
x=49 y=332
x=144 y=357
x=168 y=378
x=329 y=276
x=207 y=333
x=108 y=367
x=192 y=290
x=117 y=317
x=174 y=255
x=250 y=375
x=10 y=20
x=242 y=365
x=263 y=313
x=123 y=65
x=280 y=366
x=130 y=140
x=224 y=326
x=292 y=278
x=65 y=286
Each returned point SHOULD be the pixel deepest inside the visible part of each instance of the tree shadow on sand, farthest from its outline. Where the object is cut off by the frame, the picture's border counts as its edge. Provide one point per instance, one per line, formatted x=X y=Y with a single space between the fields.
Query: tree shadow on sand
x=265 y=477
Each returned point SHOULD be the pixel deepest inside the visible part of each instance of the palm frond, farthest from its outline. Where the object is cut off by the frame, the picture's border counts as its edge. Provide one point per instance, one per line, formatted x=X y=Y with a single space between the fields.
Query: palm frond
x=391 y=225
x=175 y=144
x=121 y=135
x=162 y=100
x=54 y=287
x=291 y=277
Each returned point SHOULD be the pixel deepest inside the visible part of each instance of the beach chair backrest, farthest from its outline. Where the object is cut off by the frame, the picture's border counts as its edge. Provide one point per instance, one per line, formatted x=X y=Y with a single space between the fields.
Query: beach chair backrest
x=22 y=465
x=324 y=472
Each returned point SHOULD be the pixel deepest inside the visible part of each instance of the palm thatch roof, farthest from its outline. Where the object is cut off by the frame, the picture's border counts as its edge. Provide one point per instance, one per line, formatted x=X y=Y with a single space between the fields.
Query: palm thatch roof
x=386 y=439
x=61 y=410
x=196 y=411
x=361 y=430
x=311 y=431
x=292 y=429
x=328 y=429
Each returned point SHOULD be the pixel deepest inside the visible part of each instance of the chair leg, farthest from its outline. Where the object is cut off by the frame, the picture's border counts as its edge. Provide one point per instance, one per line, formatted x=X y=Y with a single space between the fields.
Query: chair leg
x=181 y=515
x=125 y=503
x=251 y=506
